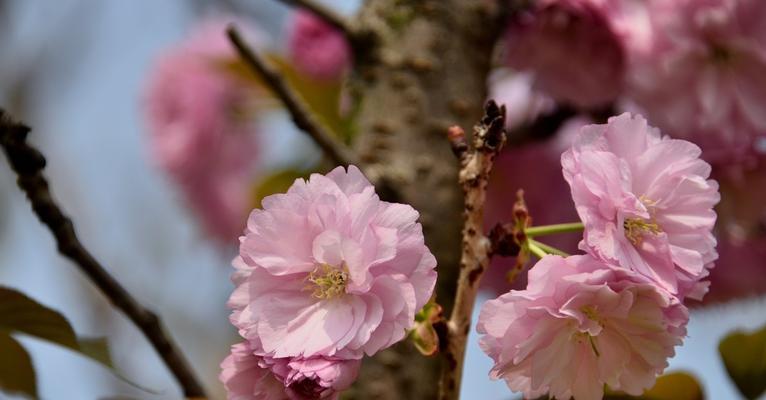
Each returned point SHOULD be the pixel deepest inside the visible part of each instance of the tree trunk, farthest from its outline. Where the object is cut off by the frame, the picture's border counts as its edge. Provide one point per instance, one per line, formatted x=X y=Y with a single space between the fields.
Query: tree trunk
x=426 y=72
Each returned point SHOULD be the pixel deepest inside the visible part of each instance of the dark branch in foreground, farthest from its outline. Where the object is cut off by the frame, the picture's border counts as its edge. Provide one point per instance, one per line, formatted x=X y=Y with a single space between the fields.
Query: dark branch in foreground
x=326 y=14
x=28 y=163
x=299 y=111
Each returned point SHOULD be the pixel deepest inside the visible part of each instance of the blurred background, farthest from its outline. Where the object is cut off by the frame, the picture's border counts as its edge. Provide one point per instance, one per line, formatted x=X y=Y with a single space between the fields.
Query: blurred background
x=76 y=71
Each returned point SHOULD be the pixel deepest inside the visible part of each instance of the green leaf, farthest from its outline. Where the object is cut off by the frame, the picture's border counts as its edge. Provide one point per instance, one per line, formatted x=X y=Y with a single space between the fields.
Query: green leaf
x=20 y=314
x=671 y=386
x=675 y=386
x=323 y=97
x=744 y=355
x=96 y=349
x=17 y=374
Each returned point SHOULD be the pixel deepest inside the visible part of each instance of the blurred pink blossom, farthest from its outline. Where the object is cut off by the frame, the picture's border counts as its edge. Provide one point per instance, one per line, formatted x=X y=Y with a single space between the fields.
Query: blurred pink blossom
x=741 y=232
x=201 y=133
x=645 y=201
x=329 y=270
x=741 y=273
x=571 y=48
x=704 y=76
x=316 y=48
x=514 y=90
x=580 y=325
x=247 y=376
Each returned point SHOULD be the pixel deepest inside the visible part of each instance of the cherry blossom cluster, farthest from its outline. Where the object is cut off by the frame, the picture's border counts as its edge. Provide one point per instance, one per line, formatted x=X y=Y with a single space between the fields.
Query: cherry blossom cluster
x=613 y=315
x=326 y=274
x=694 y=67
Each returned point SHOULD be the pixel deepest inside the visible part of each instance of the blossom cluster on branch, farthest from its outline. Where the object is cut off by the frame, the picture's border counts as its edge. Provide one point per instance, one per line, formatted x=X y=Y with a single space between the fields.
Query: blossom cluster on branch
x=694 y=68
x=327 y=273
x=613 y=315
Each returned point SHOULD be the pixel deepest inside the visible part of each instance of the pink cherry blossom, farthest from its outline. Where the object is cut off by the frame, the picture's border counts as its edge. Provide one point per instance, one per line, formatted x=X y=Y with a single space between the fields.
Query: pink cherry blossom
x=646 y=202
x=247 y=376
x=245 y=379
x=703 y=76
x=314 y=378
x=327 y=269
x=200 y=133
x=572 y=49
x=581 y=324
x=316 y=48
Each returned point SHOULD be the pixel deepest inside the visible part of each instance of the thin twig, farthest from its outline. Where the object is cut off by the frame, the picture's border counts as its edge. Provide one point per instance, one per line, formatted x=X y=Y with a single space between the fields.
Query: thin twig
x=299 y=111
x=475 y=166
x=542 y=230
x=28 y=163
x=548 y=249
x=535 y=249
x=329 y=16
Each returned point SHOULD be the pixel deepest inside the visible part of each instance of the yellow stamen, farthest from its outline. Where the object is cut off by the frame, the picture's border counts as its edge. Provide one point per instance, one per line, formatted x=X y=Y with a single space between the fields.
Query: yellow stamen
x=328 y=282
x=635 y=228
x=591 y=313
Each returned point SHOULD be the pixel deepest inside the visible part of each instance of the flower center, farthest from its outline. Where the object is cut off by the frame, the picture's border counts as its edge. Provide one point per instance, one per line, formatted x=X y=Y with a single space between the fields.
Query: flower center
x=592 y=314
x=327 y=282
x=635 y=228
x=720 y=54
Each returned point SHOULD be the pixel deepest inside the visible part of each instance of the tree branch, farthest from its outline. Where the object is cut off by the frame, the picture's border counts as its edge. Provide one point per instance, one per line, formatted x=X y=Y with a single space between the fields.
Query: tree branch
x=28 y=163
x=326 y=14
x=475 y=166
x=299 y=111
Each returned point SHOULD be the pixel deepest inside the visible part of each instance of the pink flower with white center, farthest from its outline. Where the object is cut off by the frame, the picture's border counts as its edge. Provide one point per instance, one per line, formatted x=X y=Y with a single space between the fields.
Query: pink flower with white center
x=247 y=376
x=316 y=48
x=703 y=77
x=646 y=202
x=200 y=133
x=328 y=269
x=581 y=324
x=573 y=51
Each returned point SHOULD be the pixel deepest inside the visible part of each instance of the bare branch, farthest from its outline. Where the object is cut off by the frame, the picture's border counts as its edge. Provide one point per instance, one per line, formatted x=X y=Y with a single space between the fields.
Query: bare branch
x=326 y=14
x=475 y=167
x=28 y=163
x=299 y=111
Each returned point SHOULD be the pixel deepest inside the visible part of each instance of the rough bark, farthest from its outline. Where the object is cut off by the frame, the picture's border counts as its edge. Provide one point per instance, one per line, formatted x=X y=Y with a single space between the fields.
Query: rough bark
x=422 y=69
